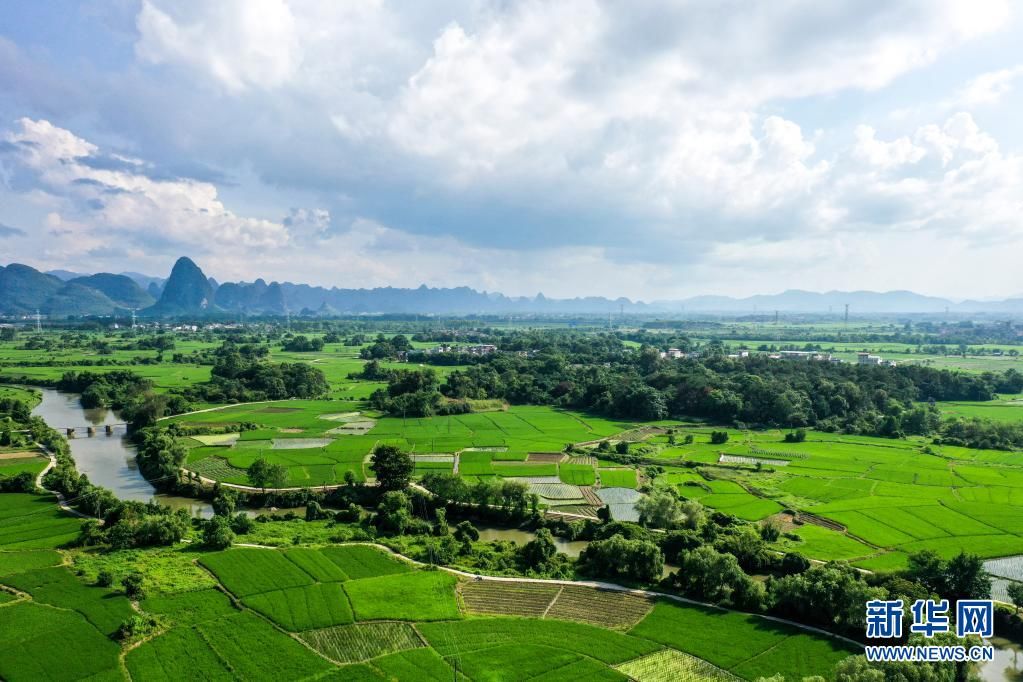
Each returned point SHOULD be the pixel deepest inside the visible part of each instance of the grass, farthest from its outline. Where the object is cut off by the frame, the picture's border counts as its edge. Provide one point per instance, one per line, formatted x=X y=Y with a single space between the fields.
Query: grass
x=415 y=664
x=669 y=665
x=419 y=596
x=362 y=641
x=251 y=571
x=577 y=474
x=57 y=586
x=34 y=522
x=175 y=655
x=458 y=640
x=189 y=608
x=304 y=608
x=362 y=561
x=825 y=544
x=163 y=569
x=21 y=561
x=713 y=636
x=28 y=636
x=517 y=431
x=314 y=562
x=618 y=478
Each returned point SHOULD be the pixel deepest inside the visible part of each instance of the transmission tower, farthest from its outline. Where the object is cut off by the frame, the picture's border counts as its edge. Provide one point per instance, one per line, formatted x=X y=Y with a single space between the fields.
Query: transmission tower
x=133 y=311
x=39 y=322
x=846 y=313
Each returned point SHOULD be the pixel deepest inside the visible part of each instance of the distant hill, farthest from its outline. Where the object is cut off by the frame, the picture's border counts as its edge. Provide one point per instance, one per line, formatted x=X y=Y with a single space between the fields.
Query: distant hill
x=120 y=289
x=188 y=292
x=23 y=289
x=64 y=275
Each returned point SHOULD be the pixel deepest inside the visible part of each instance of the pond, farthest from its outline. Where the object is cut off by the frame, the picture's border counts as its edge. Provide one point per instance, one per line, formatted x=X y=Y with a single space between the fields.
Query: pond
x=1007 y=665
x=520 y=537
x=108 y=460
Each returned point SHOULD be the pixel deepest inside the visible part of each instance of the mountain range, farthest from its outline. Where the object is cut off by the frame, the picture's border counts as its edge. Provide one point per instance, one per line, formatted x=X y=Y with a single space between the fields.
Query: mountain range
x=188 y=292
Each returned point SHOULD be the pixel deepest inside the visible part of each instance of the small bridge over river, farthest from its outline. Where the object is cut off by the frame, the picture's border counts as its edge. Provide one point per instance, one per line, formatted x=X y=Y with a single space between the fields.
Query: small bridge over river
x=91 y=430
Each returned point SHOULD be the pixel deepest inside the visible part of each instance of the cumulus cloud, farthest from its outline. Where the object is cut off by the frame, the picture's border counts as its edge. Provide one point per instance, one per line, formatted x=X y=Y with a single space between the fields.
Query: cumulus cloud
x=987 y=88
x=108 y=195
x=477 y=140
x=242 y=43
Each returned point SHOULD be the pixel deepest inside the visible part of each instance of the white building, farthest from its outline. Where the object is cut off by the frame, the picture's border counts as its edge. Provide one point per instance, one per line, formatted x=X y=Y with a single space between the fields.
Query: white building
x=868 y=359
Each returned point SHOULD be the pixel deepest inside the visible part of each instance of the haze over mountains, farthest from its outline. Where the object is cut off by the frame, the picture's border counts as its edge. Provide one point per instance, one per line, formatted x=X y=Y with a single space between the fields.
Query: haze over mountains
x=189 y=292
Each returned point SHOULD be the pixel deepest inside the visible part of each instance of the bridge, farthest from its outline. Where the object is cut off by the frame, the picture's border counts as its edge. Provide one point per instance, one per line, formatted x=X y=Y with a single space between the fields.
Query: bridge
x=93 y=429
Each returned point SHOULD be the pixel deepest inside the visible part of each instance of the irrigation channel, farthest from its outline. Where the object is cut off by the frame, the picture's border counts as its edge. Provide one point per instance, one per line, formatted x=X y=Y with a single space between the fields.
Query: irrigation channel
x=108 y=460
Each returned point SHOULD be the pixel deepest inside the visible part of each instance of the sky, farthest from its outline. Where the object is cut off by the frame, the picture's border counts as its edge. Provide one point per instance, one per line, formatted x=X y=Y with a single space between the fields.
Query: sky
x=653 y=150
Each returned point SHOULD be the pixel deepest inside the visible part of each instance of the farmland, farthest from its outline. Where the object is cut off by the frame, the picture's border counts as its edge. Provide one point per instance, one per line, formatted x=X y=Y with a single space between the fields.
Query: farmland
x=357 y=613
x=886 y=498
x=319 y=442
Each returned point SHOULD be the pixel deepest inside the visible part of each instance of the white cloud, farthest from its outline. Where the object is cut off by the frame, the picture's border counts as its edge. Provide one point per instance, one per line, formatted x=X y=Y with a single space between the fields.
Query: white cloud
x=987 y=88
x=114 y=194
x=645 y=139
x=241 y=43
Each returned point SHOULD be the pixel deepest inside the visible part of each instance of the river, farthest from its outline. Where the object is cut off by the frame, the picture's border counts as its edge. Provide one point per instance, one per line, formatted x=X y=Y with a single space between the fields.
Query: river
x=108 y=460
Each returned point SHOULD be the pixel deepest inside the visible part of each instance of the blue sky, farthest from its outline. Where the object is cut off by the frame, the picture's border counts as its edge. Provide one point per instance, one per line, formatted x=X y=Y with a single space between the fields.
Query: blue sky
x=654 y=151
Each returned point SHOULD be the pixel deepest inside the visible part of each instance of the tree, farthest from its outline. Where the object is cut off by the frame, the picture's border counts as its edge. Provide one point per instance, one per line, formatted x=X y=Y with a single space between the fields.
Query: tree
x=393 y=467
x=217 y=533
x=618 y=558
x=133 y=586
x=797 y=436
x=104 y=579
x=794 y=562
x=718 y=437
x=709 y=575
x=1015 y=592
x=538 y=552
x=965 y=578
x=661 y=509
x=224 y=502
x=466 y=532
x=394 y=513
x=277 y=475
x=258 y=473
x=770 y=530
x=263 y=474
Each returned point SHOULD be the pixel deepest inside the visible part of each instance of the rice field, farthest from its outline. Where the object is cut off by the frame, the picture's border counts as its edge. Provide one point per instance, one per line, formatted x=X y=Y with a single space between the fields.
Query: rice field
x=713 y=635
x=318 y=441
x=34 y=522
x=669 y=665
x=362 y=641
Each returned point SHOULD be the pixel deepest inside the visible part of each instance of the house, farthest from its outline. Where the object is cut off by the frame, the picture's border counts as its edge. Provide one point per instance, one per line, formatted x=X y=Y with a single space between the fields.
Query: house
x=804 y=355
x=868 y=359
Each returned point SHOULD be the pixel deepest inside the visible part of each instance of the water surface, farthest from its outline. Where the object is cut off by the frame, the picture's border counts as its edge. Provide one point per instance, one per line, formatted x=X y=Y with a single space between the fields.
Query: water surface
x=108 y=460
